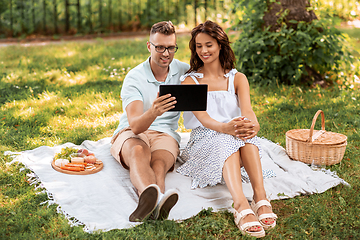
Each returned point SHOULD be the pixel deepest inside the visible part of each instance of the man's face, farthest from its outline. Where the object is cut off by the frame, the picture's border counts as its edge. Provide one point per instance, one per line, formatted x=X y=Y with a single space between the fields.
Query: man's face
x=164 y=59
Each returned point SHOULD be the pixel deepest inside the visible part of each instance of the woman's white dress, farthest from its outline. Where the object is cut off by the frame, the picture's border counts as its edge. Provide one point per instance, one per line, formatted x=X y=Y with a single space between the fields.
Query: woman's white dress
x=207 y=150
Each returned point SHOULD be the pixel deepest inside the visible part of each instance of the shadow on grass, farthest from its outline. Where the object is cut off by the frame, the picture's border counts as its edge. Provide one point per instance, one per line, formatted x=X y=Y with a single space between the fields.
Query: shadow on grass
x=29 y=90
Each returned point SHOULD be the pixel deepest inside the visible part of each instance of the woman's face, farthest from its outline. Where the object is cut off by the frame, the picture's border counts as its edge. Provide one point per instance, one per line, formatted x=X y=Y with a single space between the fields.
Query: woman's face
x=207 y=48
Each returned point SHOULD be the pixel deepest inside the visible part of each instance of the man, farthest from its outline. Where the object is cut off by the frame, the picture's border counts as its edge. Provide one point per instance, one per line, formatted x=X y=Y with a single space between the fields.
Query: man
x=145 y=141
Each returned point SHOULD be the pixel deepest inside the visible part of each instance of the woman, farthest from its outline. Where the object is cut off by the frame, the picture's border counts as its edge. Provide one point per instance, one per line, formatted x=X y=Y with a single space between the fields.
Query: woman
x=223 y=138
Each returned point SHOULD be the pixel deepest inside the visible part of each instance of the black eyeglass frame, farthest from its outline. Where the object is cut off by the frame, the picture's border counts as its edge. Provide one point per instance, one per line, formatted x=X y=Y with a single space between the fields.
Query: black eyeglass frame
x=165 y=48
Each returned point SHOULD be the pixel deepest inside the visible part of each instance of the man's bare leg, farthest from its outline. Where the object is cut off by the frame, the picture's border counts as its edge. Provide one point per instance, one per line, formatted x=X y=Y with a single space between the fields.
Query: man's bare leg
x=137 y=156
x=161 y=162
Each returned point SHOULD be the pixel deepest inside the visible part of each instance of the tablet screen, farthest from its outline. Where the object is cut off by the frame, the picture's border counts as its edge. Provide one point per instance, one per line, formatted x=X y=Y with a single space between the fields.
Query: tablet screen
x=189 y=97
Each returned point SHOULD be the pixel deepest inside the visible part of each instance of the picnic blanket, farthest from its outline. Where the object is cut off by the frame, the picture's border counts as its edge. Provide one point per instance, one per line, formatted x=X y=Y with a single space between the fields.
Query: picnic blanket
x=104 y=200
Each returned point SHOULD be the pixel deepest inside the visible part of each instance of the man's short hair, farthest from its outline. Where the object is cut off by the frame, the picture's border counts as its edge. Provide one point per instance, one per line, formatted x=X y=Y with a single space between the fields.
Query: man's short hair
x=165 y=27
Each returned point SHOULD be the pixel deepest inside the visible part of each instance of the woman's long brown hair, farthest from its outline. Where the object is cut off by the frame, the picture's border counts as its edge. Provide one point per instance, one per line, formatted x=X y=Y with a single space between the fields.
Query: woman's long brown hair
x=226 y=56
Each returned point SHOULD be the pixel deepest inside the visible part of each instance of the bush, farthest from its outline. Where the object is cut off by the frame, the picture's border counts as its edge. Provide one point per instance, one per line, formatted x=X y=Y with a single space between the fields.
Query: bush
x=307 y=53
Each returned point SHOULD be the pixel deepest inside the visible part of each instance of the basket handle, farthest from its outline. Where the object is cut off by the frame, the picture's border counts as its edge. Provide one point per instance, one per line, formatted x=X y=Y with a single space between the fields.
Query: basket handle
x=311 y=137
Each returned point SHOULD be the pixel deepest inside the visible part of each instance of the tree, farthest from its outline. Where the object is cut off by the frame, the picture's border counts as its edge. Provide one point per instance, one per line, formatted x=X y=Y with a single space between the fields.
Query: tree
x=291 y=10
x=297 y=10
x=283 y=41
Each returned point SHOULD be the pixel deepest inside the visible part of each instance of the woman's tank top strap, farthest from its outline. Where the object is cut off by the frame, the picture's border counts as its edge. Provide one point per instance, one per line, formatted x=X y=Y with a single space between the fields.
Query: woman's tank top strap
x=231 y=76
x=194 y=78
x=193 y=75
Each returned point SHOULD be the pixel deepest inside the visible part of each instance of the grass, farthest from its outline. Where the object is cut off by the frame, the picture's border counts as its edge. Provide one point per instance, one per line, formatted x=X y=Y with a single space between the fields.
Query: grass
x=69 y=92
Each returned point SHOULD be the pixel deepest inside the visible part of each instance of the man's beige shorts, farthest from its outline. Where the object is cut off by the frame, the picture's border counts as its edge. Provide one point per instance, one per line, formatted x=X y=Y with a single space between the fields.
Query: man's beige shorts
x=154 y=139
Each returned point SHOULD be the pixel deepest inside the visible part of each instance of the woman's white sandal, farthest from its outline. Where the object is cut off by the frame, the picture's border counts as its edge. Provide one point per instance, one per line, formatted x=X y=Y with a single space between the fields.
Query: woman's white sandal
x=255 y=207
x=238 y=216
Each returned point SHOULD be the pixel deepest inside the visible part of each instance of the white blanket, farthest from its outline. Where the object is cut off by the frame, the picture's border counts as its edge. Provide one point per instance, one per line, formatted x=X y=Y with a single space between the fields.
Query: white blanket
x=104 y=200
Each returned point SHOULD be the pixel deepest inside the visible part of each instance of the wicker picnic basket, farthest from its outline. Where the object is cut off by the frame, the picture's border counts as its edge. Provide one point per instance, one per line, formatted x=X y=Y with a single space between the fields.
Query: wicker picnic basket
x=317 y=147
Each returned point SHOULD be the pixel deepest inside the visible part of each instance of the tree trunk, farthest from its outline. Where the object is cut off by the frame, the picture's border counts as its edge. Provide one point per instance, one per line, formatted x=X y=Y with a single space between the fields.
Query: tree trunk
x=297 y=10
x=55 y=17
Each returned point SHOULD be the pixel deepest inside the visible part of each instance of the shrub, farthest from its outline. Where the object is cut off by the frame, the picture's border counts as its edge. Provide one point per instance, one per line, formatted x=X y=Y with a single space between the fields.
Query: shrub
x=297 y=52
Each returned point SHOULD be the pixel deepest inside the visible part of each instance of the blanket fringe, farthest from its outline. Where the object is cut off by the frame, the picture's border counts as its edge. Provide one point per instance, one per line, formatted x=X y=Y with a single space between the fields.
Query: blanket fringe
x=330 y=173
x=35 y=181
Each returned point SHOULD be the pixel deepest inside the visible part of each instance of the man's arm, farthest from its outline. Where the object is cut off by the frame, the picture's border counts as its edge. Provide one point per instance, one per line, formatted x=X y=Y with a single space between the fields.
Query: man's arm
x=139 y=120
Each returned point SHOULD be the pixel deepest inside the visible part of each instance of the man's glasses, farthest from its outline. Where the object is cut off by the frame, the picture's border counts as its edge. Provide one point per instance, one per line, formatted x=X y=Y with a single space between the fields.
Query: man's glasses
x=162 y=49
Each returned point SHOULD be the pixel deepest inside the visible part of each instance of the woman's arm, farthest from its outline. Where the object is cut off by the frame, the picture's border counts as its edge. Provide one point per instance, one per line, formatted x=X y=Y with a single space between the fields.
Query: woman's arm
x=242 y=90
x=208 y=122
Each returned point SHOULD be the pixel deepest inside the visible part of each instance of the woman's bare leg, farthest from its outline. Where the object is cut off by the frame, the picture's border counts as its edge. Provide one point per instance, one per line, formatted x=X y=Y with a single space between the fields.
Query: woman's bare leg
x=251 y=161
x=232 y=177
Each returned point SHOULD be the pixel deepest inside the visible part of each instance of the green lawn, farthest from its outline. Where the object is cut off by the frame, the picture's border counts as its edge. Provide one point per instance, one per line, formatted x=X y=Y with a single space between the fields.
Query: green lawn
x=69 y=92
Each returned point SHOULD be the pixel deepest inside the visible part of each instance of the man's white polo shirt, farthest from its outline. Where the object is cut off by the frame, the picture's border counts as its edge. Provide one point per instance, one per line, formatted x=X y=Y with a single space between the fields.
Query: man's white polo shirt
x=140 y=84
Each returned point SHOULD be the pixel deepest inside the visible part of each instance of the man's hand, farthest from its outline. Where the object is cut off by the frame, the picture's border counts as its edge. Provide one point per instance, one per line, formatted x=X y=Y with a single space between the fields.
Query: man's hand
x=162 y=104
x=139 y=120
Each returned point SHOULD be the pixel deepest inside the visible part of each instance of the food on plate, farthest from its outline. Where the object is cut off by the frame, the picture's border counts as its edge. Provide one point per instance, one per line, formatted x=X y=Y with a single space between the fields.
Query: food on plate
x=90 y=167
x=90 y=159
x=76 y=160
x=61 y=162
x=83 y=151
x=76 y=164
x=76 y=169
x=65 y=153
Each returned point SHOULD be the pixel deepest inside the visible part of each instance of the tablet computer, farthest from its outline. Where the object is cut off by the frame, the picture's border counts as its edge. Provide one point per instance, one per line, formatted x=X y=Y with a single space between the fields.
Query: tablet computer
x=189 y=97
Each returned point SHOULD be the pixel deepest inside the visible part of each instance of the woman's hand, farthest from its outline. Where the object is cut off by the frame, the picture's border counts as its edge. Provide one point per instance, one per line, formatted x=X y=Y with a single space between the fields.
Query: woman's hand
x=244 y=128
